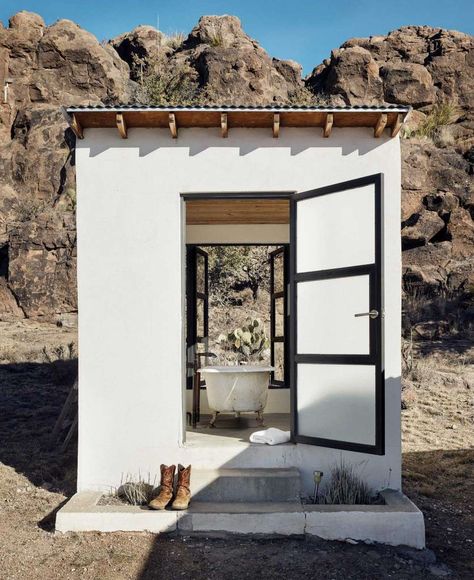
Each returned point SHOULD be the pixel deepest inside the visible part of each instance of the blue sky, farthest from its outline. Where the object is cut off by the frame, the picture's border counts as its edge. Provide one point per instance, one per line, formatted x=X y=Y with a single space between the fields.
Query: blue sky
x=305 y=31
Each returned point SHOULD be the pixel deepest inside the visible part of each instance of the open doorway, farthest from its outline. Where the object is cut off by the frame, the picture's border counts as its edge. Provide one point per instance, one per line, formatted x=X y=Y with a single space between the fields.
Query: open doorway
x=237 y=319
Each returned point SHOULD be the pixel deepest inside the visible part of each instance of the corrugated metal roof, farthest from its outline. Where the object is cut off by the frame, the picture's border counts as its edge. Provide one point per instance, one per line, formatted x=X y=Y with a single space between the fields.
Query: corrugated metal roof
x=243 y=108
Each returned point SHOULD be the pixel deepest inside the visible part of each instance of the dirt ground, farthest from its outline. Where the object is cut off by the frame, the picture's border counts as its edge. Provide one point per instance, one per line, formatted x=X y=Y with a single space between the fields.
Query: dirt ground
x=38 y=365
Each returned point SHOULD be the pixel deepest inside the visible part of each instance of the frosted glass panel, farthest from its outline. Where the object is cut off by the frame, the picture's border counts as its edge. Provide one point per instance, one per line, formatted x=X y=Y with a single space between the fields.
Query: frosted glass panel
x=336 y=230
x=326 y=321
x=337 y=402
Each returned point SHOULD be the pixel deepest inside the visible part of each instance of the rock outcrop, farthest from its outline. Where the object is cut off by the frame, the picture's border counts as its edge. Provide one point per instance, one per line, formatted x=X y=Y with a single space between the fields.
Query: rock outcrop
x=45 y=67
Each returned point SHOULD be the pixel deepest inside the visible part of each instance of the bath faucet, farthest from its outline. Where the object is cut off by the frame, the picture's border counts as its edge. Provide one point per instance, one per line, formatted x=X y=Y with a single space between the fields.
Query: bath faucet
x=197 y=358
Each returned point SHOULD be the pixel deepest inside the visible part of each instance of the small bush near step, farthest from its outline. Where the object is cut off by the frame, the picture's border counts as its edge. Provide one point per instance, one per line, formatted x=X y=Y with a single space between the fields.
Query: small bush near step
x=346 y=487
x=133 y=491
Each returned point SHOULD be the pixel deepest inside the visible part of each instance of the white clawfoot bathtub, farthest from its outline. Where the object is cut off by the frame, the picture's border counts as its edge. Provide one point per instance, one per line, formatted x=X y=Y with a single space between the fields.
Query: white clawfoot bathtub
x=236 y=389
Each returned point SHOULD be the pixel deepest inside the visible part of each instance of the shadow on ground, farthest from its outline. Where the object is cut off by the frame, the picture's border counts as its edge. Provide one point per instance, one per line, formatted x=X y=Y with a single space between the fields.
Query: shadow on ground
x=31 y=398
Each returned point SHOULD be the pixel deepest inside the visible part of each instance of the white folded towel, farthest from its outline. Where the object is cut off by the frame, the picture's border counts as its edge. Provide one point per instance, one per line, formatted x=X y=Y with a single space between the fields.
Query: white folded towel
x=271 y=436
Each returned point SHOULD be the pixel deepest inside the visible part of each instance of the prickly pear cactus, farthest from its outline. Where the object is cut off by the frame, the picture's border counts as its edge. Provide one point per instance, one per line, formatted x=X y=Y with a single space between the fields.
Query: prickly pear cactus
x=248 y=341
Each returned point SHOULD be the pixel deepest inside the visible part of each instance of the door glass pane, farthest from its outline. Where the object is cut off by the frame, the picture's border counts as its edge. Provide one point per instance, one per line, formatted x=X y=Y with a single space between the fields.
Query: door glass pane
x=278 y=273
x=200 y=273
x=279 y=317
x=336 y=230
x=337 y=402
x=200 y=330
x=279 y=364
x=325 y=316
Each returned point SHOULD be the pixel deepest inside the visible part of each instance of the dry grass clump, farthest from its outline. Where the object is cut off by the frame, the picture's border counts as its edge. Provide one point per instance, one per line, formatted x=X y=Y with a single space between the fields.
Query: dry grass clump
x=173 y=41
x=347 y=487
x=136 y=490
x=441 y=114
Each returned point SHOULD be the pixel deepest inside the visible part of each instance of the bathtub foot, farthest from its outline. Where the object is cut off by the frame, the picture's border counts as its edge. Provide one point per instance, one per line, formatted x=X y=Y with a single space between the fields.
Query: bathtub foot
x=260 y=419
x=213 y=419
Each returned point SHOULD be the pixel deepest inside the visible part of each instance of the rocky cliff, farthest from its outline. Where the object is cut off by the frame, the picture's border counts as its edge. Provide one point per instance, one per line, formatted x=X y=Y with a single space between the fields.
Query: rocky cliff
x=44 y=67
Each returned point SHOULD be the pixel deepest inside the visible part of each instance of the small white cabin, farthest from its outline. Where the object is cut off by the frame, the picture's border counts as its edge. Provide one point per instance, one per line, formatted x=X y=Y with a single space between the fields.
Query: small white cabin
x=155 y=186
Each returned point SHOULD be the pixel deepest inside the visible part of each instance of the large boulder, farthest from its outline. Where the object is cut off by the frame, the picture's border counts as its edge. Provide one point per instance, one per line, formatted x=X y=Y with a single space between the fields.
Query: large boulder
x=352 y=74
x=408 y=84
x=42 y=265
x=421 y=228
x=138 y=46
x=232 y=67
x=47 y=66
x=220 y=59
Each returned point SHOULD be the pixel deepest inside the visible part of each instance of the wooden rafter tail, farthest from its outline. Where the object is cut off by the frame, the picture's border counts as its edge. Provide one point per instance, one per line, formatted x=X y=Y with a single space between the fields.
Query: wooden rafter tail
x=276 y=125
x=328 y=122
x=380 y=126
x=224 y=126
x=397 y=125
x=76 y=127
x=121 y=125
x=173 y=125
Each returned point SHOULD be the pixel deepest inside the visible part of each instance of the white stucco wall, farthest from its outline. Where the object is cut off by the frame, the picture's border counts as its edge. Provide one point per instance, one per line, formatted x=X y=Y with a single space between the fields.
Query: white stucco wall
x=131 y=285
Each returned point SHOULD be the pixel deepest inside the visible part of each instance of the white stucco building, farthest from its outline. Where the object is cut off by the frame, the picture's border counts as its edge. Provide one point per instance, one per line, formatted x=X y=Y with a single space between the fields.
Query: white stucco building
x=141 y=174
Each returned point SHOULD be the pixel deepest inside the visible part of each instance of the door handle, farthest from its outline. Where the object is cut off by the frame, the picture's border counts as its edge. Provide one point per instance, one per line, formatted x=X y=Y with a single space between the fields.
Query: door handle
x=373 y=314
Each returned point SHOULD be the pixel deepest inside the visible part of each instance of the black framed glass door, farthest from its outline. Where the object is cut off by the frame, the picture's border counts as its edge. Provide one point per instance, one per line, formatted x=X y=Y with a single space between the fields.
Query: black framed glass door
x=336 y=307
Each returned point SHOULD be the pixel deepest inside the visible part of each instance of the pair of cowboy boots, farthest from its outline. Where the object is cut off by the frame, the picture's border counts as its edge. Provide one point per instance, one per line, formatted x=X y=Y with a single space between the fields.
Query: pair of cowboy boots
x=182 y=497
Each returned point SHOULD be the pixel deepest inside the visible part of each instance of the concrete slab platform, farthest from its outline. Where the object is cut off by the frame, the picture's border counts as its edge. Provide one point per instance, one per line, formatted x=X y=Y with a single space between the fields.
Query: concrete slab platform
x=398 y=522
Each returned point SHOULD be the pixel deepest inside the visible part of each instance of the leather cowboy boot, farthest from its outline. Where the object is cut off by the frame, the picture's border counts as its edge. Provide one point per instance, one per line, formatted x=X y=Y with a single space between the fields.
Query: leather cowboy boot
x=183 y=490
x=165 y=494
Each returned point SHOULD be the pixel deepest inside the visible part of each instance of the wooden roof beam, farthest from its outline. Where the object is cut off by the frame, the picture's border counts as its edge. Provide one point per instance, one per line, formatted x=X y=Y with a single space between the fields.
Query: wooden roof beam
x=173 y=125
x=276 y=125
x=397 y=125
x=121 y=125
x=224 y=126
x=328 y=122
x=380 y=126
x=76 y=127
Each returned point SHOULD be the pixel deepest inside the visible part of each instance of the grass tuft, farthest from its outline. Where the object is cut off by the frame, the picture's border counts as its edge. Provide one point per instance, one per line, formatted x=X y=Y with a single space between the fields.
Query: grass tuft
x=441 y=114
x=347 y=487
x=136 y=490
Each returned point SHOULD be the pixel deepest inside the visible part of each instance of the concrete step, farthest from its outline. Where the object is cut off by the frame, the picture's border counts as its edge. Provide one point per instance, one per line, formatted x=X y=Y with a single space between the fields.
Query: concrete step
x=246 y=485
x=262 y=518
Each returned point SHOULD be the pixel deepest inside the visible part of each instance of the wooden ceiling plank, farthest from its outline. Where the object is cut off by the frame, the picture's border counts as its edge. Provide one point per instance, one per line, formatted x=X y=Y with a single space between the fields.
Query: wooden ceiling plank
x=328 y=125
x=397 y=125
x=276 y=125
x=76 y=127
x=380 y=126
x=250 y=211
x=173 y=126
x=224 y=126
x=121 y=125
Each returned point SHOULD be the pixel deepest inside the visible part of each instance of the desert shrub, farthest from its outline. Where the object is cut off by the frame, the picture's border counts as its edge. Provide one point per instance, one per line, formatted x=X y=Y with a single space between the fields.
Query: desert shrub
x=136 y=490
x=160 y=83
x=215 y=38
x=449 y=310
x=441 y=114
x=346 y=487
x=234 y=268
x=62 y=360
x=71 y=198
x=173 y=41
x=305 y=97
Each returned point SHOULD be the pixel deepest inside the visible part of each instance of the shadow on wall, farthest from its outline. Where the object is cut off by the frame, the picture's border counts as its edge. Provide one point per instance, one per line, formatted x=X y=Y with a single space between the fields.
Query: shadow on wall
x=151 y=140
x=31 y=398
